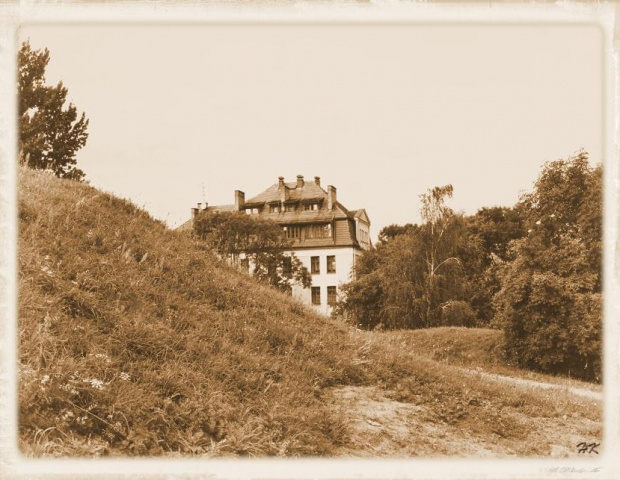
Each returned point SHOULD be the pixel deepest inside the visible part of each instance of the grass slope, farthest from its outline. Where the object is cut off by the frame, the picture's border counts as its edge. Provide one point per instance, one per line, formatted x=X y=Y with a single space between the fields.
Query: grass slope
x=479 y=348
x=136 y=340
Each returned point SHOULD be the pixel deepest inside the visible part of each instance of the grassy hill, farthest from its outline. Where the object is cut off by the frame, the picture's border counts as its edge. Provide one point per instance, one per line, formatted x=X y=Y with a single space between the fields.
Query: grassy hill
x=478 y=348
x=136 y=340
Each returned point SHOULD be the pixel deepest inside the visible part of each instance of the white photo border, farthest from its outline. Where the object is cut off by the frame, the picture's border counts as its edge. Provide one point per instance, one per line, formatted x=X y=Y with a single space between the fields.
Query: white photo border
x=12 y=15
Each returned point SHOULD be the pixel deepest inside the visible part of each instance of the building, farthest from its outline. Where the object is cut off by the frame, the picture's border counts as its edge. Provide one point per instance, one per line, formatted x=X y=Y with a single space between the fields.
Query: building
x=326 y=237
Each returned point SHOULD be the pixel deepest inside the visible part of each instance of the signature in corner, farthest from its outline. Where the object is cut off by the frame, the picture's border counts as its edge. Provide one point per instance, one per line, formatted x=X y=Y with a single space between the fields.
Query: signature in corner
x=584 y=447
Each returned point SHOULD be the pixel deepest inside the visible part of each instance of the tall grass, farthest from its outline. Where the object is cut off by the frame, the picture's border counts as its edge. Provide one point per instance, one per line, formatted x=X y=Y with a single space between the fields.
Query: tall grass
x=136 y=340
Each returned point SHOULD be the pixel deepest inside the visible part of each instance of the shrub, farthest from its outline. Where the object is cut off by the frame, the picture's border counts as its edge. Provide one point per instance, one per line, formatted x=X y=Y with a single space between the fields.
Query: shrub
x=550 y=301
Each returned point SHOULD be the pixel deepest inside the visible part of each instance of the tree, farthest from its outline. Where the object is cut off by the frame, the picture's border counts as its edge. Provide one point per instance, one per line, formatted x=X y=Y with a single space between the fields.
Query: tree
x=550 y=303
x=496 y=228
x=49 y=134
x=257 y=243
x=417 y=275
x=438 y=244
x=392 y=231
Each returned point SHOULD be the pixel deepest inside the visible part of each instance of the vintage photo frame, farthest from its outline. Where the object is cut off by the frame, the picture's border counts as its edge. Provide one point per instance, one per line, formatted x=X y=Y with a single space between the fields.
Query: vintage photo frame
x=13 y=465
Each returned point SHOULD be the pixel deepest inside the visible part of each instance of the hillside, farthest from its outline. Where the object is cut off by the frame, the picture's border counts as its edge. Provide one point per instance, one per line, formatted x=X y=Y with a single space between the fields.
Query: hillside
x=477 y=348
x=136 y=340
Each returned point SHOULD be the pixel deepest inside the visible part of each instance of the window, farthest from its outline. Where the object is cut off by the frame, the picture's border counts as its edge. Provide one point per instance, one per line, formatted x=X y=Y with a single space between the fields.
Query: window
x=251 y=211
x=287 y=265
x=293 y=232
x=364 y=236
x=319 y=231
x=316 y=295
x=274 y=208
x=314 y=265
x=331 y=295
x=289 y=208
x=311 y=206
x=245 y=264
x=331 y=263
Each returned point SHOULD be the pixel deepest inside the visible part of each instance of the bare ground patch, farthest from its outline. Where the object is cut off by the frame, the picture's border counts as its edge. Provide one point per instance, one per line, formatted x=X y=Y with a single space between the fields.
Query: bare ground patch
x=383 y=427
x=380 y=426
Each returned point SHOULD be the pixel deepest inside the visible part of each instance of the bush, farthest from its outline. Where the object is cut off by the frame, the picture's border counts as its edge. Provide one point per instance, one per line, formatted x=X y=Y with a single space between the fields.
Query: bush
x=550 y=304
x=457 y=314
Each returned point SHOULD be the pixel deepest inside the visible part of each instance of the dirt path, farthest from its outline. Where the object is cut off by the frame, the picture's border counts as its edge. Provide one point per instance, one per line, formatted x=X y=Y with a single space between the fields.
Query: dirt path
x=380 y=426
x=521 y=382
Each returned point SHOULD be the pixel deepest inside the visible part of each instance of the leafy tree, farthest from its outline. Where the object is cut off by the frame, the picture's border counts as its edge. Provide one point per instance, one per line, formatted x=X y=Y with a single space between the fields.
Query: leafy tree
x=362 y=302
x=416 y=277
x=495 y=228
x=49 y=134
x=257 y=243
x=438 y=245
x=550 y=303
x=392 y=231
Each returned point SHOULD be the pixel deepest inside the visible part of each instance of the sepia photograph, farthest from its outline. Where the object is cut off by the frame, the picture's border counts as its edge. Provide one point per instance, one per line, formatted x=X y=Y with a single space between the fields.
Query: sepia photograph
x=309 y=240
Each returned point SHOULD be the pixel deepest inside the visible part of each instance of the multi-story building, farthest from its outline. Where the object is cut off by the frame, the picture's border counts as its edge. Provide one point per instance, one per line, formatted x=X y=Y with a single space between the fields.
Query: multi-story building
x=325 y=236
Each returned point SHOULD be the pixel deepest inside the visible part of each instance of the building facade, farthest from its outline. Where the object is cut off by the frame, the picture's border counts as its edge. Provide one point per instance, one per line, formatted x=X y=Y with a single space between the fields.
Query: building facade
x=325 y=236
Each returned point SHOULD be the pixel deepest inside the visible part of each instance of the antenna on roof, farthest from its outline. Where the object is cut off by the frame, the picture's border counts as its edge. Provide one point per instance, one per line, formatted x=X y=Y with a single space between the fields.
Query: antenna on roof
x=203 y=193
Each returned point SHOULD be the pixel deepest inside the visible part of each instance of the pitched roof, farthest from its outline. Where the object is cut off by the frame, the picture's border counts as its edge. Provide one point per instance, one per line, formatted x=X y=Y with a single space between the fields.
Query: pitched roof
x=309 y=191
x=304 y=216
x=189 y=224
x=360 y=213
x=221 y=208
x=186 y=226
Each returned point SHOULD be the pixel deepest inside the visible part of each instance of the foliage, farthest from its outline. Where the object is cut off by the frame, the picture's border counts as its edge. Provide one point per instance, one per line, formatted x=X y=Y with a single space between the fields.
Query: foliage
x=495 y=228
x=416 y=277
x=392 y=231
x=257 y=243
x=49 y=134
x=550 y=304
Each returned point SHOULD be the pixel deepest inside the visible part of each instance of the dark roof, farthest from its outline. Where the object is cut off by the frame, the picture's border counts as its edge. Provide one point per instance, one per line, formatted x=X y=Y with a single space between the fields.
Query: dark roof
x=322 y=215
x=189 y=224
x=309 y=191
x=221 y=208
x=186 y=226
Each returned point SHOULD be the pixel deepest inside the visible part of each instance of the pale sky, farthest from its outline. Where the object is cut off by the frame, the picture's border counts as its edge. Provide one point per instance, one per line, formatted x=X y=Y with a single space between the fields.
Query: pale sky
x=382 y=112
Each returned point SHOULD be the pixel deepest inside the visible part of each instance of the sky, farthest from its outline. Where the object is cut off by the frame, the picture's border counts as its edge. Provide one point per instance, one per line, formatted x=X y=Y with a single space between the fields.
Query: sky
x=182 y=114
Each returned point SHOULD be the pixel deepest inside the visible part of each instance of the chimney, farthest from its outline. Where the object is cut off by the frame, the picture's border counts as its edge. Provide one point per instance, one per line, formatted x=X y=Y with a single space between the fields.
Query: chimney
x=331 y=197
x=282 y=190
x=239 y=200
x=194 y=212
x=317 y=181
x=300 y=181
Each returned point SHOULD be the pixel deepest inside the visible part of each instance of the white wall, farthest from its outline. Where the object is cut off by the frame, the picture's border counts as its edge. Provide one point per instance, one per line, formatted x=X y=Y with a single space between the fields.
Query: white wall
x=345 y=259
